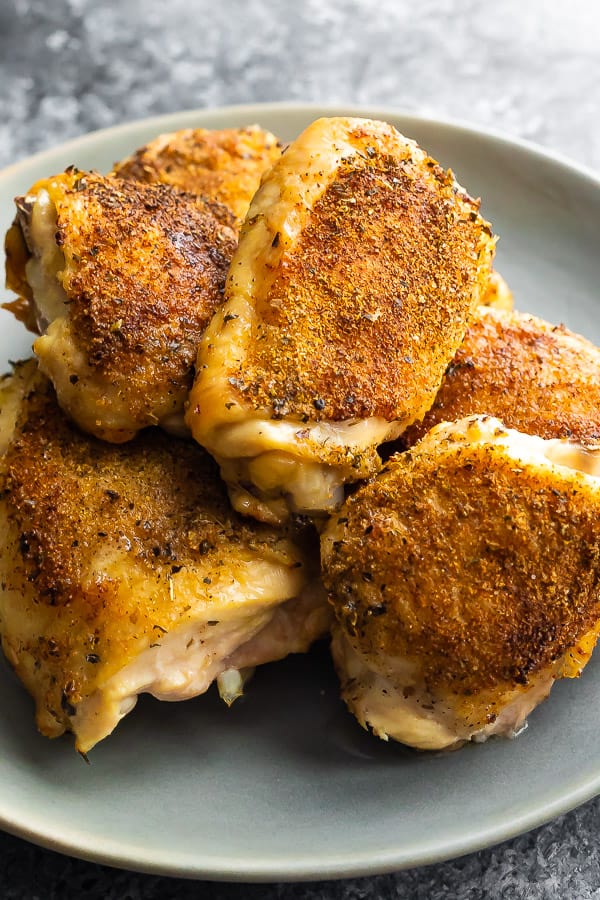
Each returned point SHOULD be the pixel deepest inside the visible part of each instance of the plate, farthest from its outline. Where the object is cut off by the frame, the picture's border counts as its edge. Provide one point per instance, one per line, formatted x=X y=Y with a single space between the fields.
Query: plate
x=285 y=785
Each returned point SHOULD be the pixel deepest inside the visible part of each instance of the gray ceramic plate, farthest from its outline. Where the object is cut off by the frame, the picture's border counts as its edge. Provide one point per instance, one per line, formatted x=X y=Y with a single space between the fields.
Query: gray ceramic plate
x=285 y=785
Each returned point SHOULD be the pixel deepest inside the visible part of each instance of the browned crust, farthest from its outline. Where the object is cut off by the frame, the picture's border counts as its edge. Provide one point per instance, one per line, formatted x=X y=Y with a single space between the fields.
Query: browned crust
x=156 y=503
x=370 y=303
x=23 y=309
x=145 y=269
x=497 y=294
x=224 y=165
x=538 y=378
x=16 y=256
x=482 y=572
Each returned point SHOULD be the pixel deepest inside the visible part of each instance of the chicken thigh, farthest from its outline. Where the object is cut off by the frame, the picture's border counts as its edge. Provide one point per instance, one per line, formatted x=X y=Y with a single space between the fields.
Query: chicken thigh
x=357 y=269
x=123 y=279
x=225 y=166
x=536 y=377
x=465 y=580
x=124 y=570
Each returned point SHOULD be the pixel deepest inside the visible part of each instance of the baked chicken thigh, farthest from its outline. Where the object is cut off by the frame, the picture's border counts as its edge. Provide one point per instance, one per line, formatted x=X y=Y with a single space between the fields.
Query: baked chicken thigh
x=124 y=570
x=225 y=165
x=357 y=269
x=536 y=377
x=122 y=278
x=465 y=580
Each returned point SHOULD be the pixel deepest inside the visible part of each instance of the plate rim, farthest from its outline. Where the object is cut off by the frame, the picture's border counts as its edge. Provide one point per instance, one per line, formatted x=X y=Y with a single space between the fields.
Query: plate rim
x=339 y=866
x=166 y=122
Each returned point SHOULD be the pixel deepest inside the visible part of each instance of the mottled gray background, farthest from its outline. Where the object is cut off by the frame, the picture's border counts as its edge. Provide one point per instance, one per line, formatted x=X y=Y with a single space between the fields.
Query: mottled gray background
x=529 y=68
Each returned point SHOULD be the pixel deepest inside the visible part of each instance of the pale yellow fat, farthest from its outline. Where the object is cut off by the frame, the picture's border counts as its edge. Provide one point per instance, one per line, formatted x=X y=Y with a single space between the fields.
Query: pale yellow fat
x=45 y=267
x=184 y=662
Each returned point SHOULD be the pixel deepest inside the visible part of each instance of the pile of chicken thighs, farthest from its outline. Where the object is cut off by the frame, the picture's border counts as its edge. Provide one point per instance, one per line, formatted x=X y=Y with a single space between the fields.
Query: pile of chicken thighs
x=192 y=475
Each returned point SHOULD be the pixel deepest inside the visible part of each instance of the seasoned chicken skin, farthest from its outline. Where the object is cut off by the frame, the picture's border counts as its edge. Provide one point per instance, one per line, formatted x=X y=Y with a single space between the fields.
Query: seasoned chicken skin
x=536 y=377
x=124 y=278
x=124 y=570
x=225 y=165
x=357 y=269
x=465 y=580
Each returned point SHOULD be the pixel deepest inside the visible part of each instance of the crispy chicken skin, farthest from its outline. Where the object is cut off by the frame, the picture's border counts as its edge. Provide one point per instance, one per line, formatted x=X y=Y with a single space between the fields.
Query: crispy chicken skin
x=16 y=256
x=536 y=377
x=124 y=278
x=124 y=570
x=358 y=267
x=225 y=166
x=465 y=579
x=498 y=295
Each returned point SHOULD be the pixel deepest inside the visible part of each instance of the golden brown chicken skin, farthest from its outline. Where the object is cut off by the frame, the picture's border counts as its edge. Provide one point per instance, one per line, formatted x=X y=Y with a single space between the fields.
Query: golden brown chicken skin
x=465 y=579
x=536 y=377
x=124 y=277
x=498 y=295
x=356 y=272
x=124 y=569
x=223 y=165
x=16 y=256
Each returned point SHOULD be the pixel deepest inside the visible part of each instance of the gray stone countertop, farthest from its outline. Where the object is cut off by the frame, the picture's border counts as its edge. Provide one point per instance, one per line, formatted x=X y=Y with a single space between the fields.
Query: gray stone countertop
x=528 y=68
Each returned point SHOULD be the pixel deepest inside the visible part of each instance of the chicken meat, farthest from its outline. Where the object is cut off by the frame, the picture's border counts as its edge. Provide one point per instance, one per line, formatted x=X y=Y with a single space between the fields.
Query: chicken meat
x=124 y=570
x=536 y=377
x=222 y=165
x=465 y=580
x=358 y=267
x=123 y=278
